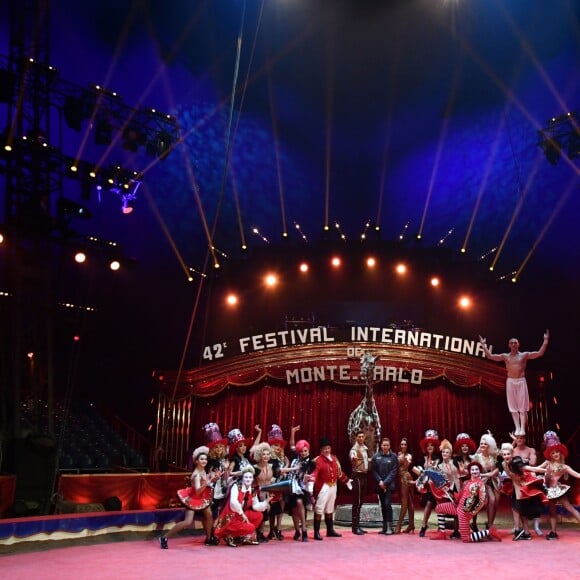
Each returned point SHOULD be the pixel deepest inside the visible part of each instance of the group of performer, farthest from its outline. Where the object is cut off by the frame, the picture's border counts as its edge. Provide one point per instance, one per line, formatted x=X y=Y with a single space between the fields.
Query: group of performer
x=237 y=491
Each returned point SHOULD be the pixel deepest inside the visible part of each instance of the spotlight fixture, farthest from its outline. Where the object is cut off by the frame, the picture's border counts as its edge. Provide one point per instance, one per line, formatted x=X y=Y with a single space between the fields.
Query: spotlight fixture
x=75 y=110
x=551 y=148
x=7 y=85
x=161 y=145
x=132 y=138
x=560 y=134
x=68 y=209
x=103 y=131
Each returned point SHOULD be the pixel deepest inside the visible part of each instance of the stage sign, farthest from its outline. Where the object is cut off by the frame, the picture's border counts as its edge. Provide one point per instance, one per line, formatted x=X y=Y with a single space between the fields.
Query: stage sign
x=323 y=335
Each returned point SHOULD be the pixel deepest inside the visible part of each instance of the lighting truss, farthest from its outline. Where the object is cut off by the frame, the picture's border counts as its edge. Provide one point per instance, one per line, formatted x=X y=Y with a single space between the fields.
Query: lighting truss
x=561 y=134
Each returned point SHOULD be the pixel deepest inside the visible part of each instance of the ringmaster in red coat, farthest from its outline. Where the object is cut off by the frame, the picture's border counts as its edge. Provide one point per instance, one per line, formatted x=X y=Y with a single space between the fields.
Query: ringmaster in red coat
x=326 y=475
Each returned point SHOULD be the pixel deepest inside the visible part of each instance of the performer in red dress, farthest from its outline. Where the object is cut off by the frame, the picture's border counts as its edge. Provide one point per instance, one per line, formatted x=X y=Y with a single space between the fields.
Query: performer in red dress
x=557 y=479
x=196 y=498
x=241 y=515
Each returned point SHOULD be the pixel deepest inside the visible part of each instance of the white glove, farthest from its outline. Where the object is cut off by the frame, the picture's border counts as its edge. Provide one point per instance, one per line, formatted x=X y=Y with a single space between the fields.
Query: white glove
x=349 y=484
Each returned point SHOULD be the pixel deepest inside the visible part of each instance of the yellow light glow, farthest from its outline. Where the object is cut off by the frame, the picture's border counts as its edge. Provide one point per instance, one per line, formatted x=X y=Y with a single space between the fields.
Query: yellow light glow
x=336 y=261
x=435 y=281
x=371 y=262
x=231 y=299
x=271 y=280
x=304 y=267
x=464 y=302
x=401 y=269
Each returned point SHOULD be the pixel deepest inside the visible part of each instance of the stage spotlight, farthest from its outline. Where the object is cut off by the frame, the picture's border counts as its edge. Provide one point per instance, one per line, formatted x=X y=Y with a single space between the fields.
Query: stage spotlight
x=336 y=261
x=68 y=209
x=435 y=282
x=464 y=302
x=115 y=265
x=161 y=145
x=303 y=267
x=271 y=280
x=103 y=132
x=80 y=257
x=7 y=85
x=231 y=299
x=551 y=149
x=574 y=144
x=132 y=138
x=74 y=111
x=371 y=262
x=1 y=238
x=401 y=269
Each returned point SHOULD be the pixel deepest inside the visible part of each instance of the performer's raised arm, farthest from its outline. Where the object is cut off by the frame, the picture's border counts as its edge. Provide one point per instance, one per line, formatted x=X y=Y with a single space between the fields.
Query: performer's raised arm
x=538 y=353
x=488 y=353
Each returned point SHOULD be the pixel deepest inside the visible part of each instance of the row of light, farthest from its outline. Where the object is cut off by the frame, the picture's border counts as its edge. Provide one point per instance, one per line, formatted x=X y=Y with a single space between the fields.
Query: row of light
x=371 y=263
x=81 y=258
x=123 y=182
x=271 y=280
x=463 y=301
x=72 y=306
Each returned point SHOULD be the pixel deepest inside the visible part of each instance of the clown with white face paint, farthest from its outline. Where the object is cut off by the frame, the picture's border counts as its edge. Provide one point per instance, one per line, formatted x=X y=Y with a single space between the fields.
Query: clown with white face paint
x=241 y=515
x=472 y=499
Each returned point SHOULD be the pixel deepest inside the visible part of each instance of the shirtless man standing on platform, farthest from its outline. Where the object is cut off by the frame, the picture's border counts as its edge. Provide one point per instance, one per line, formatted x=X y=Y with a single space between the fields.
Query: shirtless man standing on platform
x=516 y=387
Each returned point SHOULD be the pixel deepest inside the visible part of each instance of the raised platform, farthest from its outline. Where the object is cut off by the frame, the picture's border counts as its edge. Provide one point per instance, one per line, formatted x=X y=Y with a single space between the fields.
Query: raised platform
x=370 y=515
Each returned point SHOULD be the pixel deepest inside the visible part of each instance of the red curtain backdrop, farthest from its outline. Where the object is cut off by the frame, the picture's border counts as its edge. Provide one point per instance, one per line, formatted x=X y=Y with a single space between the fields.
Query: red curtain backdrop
x=323 y=409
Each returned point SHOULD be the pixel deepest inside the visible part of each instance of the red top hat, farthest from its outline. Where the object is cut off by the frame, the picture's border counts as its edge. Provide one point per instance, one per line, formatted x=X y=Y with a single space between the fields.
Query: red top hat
x=235 y=437
x=431 y=436
x=213 y=435
x=552 y=442
x=464 y=439
x=275 y=436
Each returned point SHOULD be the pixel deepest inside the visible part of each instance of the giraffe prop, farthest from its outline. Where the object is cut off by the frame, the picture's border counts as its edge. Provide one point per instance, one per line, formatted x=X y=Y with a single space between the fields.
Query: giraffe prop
x=365 y=416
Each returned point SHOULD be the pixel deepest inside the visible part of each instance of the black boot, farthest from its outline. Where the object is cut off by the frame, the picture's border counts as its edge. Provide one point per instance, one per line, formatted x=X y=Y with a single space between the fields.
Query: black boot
x=317 y=520
x=330 y=531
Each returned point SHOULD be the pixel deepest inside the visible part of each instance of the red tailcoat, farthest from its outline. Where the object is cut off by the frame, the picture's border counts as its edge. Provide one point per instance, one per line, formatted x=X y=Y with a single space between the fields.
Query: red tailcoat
x=327 y=470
